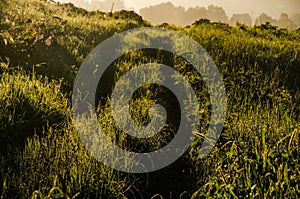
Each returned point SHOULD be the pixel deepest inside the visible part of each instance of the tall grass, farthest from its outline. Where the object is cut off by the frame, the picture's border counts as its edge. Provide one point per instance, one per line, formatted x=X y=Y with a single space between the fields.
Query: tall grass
x=41 y=155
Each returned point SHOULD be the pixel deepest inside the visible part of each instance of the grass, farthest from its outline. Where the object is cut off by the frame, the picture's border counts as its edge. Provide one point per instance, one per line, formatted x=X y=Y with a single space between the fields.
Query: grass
x=41 y=155
x=28 y=105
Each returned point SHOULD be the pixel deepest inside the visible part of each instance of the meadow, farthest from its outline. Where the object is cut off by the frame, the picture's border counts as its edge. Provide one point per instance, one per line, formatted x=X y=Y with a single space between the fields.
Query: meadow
x=42 y=45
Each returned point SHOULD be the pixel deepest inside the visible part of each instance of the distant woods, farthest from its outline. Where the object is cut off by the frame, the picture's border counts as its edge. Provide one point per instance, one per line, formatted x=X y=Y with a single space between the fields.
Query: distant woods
x=284 y=21
x=168 y=13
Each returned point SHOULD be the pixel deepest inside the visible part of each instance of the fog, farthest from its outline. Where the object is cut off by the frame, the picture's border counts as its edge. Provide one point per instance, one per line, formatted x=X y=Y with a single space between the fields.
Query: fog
x=273 y=8
x=282 y=13
x=254 y=7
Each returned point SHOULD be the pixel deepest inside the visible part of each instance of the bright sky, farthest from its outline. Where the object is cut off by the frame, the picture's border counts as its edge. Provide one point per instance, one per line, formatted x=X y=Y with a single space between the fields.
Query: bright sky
x=253 y=7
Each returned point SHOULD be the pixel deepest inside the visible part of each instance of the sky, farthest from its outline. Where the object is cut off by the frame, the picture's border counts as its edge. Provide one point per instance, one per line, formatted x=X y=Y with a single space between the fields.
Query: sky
x=254 y=7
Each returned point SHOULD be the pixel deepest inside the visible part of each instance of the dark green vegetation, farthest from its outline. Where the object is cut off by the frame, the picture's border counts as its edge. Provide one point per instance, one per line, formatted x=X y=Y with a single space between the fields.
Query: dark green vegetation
x=42 y=46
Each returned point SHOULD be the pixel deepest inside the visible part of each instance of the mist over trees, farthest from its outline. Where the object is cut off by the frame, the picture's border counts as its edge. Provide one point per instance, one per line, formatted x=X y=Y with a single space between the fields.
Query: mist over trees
x=296 y=19
x=168 y=13
x=240 y=18
x=284 y=21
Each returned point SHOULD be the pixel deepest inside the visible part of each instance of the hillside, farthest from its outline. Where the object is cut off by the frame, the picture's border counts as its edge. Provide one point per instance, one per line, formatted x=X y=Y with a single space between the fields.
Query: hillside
x=65 y=34
x=43 y=44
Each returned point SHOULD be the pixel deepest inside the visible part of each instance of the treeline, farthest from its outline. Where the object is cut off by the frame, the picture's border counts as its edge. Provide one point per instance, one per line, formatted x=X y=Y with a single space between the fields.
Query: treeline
x=167 y=12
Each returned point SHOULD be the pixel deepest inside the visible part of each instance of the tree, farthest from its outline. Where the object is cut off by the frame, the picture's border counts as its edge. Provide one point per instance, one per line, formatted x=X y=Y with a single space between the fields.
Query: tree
x=164 y=12
x=282 y=22
x=194 y=14
x=241 y=18
x=296 y=19
x=285 y=22
x=216 y=14
x=167 y=12
x=264 y=18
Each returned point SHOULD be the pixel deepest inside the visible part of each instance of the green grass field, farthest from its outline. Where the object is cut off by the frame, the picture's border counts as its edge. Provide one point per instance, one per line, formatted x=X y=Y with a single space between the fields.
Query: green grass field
x=42 y=46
